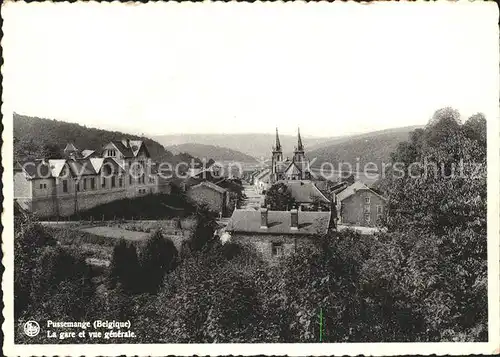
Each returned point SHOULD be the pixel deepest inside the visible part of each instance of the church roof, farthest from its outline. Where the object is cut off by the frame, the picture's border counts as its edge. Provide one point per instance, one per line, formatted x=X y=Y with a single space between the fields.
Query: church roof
x=293 y=169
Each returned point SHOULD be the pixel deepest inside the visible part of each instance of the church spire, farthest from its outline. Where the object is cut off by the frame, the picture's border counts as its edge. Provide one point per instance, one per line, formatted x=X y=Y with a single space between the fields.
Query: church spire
x=300 y=147
x=278 y=144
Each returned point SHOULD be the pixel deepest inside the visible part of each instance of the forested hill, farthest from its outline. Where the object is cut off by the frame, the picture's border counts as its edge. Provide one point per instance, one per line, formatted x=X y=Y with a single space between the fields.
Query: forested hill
x=373 y=147
x=217 y=153
x=37 y=137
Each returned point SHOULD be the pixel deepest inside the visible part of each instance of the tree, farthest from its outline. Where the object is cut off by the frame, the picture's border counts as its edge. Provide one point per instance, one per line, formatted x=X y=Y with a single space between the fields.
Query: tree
x=437 y=220
x=158 y=256
x=27 y=149
x=279 y=198
x=124 y=268
x=51 y=151
x=203 y=233
x=61 y=284
x=30 y=239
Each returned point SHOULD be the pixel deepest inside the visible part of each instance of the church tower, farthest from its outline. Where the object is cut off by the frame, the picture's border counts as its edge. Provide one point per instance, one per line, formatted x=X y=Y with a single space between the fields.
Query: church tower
x=298 y=154
x=277 y=157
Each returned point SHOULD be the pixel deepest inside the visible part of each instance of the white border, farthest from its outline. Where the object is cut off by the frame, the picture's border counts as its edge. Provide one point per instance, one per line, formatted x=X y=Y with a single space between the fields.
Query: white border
x=298 y=349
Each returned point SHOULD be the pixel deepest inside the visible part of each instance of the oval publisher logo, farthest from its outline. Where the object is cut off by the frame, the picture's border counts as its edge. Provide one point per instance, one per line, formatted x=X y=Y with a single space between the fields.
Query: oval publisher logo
x=31 y=328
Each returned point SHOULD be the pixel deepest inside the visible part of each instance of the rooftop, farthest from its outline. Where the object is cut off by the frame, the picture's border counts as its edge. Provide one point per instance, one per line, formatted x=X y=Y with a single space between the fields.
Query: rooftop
x=305 y=191
x=279 y=222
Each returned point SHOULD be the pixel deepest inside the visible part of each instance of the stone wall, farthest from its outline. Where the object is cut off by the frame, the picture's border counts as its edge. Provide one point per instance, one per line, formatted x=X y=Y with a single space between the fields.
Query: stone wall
x=64 y=205
x=263 y=243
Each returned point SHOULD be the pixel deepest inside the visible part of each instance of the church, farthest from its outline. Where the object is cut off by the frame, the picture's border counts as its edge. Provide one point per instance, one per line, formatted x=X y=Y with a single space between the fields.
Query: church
x=285 y=169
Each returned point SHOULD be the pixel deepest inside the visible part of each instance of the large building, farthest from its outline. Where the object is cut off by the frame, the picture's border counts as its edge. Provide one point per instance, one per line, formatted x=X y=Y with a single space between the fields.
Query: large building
x=82 y=180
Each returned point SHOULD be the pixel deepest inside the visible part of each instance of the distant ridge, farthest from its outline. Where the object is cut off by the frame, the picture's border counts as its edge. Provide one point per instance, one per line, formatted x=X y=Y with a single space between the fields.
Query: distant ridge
x=215 y=152
x=252 y=144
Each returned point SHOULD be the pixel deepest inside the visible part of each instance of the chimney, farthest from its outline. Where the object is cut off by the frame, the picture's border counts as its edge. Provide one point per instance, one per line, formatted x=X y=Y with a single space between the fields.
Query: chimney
x=294 y=225
x=263 y=218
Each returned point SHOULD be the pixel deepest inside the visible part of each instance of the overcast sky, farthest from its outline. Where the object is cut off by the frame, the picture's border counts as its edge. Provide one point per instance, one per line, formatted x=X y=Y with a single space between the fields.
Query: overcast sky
x=169 y=68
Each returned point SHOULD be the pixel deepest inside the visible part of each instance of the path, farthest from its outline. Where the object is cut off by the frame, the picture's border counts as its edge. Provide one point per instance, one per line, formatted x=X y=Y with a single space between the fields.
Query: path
x=253 y=200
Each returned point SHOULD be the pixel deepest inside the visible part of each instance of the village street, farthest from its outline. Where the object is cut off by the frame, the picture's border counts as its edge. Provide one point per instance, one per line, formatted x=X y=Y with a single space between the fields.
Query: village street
x=253 y=199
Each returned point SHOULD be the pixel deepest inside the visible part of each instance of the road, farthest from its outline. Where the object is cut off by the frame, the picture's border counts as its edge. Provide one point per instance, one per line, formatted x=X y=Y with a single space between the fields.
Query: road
x=253 y=200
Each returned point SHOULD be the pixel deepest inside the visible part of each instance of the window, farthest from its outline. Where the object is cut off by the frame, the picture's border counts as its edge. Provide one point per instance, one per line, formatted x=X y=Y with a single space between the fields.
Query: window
x=367 y=199
x=367 y=217
x=277 y=249
x=120 y=182
x=65 y=185
x=366 y=209
x=113 y=183
x=130 y=179
x=380 y=209
x=84 y=183
x=41 y=186
x=78 y=186
x=103 y=182
x=92 y=183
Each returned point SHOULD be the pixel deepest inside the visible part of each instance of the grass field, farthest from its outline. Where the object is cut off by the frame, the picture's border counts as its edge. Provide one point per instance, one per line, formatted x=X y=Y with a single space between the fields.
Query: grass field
x=116 y=232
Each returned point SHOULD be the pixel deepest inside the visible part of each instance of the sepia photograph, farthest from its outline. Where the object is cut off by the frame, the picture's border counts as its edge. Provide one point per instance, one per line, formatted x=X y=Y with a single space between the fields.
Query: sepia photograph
x=250 y=178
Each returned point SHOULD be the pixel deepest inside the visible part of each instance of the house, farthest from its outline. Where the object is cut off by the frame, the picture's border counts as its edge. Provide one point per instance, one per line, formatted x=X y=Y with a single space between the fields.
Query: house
x=211 y=195
x=262 y=181
x=64 y=187
x=307 y=196
x=277 y=233
x=360 y=205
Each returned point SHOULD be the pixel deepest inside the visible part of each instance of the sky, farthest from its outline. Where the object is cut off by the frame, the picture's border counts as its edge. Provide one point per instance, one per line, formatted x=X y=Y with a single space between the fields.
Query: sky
x=332 y=69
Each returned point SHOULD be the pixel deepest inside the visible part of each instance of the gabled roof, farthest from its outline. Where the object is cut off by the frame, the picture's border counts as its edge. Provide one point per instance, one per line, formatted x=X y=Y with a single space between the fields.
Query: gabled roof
x=97 y=163
x=135 y=146
x=293 y=169
x=125 y=151
x=36 y=169
x=210 y=185
x=355 y=187
x=81 y=167
x=87 y=153
x=305 y=191
x=130 y=148
x=56 y=166
x=279 y=222
x=70 y=147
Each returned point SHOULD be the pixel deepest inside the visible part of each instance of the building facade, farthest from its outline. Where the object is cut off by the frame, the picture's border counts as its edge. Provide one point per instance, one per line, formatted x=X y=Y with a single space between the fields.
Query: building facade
x=358 y=205
x=214 y=197
x=63 y=187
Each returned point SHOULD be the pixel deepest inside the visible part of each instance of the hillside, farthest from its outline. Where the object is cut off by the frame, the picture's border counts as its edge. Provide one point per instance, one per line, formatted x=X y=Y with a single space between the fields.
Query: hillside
x=373 y=147
x=33 y=137
x=217 y=153
x=254 y=145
